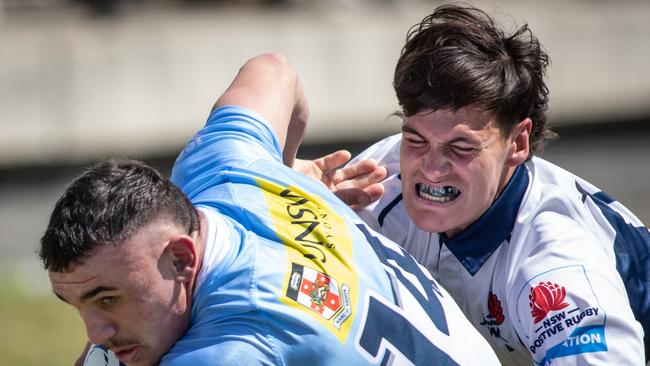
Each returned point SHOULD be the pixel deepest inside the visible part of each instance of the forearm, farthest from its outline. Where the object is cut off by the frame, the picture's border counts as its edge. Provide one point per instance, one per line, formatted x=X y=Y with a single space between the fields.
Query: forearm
x=269 y=85
x=297 y=125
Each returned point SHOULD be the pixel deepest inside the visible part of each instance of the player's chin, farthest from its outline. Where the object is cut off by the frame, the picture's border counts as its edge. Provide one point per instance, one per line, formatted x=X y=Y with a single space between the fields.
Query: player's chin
x=430 y=223
x=143 y=356
x=436 y=217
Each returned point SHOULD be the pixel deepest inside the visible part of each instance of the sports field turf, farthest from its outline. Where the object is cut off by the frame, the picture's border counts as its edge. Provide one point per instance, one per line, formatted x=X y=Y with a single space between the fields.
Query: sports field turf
x=37 y=329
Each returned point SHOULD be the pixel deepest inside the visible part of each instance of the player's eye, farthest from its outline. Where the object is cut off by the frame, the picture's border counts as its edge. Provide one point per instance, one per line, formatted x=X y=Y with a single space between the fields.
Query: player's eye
x=413 y=140
x=108 y=301
x=464 y=150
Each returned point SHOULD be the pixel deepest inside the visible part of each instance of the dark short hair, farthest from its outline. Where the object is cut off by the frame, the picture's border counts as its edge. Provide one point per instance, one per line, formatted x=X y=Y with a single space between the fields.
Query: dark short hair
x=107 y=204
x=458 y=57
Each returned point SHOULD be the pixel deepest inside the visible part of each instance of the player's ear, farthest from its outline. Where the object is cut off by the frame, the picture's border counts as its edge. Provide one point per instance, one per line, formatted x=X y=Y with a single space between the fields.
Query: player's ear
x=520 y=142
x=182 y=252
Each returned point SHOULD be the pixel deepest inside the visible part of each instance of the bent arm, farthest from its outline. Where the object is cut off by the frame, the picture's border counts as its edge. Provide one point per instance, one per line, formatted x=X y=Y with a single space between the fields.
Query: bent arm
x=269 y=85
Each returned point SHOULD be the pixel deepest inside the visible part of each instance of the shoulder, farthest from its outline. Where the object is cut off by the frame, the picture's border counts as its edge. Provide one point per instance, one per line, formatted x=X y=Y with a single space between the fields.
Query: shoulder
x=385 y=152
x=557 y=234
x=238 y=130
x=233 y=138
x=560 y=206
x=554 y=205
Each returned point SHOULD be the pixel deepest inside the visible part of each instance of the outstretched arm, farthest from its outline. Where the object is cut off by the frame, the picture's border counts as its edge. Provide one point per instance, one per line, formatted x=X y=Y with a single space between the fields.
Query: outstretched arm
x=269 y=85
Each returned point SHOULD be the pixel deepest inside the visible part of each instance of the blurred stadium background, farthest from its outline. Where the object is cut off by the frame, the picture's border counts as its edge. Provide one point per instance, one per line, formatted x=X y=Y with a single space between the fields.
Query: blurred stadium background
x=81 y=80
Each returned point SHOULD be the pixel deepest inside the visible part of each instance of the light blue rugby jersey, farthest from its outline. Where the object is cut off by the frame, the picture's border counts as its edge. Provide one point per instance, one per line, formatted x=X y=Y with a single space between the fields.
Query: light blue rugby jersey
x=291 y=276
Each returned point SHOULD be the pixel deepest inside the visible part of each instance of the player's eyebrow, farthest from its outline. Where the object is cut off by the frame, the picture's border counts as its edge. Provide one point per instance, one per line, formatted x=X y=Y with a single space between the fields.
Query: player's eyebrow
x=409 y=129
x=88 y=294
x=92 y=293
x=465 y=139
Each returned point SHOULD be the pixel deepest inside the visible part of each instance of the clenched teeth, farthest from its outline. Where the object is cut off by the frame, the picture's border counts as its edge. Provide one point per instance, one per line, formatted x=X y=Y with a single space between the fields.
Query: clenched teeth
x=437 y=194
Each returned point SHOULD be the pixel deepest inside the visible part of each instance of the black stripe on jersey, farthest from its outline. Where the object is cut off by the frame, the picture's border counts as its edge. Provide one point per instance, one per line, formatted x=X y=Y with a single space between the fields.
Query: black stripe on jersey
x=386 y=210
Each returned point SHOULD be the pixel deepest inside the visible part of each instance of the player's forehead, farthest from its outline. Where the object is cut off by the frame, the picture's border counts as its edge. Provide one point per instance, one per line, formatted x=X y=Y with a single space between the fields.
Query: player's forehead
x=102 y=267
x=464 y=121
x=106 y=265
x=132 y=252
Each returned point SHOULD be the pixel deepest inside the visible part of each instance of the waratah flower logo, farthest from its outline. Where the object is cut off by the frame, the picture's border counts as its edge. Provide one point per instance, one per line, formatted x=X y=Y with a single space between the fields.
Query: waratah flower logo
x=495 y=309
x=546 y=297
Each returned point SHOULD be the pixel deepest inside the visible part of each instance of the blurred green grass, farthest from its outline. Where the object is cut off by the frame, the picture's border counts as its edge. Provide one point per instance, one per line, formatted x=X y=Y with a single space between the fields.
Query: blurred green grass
x=36 y=327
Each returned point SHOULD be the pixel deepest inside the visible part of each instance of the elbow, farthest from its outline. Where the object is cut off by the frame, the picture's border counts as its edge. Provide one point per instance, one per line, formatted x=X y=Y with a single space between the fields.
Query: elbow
x=272 y=58
x=274 y=64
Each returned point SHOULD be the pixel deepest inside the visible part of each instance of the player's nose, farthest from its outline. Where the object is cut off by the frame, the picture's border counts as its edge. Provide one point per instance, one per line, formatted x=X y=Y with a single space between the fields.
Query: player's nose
x=99 y=325
x=434 y=164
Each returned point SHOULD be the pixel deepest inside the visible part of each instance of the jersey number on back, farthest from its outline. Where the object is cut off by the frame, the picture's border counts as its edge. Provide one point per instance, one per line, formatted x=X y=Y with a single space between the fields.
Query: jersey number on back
x=389 y=326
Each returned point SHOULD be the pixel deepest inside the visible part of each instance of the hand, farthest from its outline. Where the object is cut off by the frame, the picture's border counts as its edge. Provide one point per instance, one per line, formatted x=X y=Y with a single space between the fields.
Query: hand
x=357 y=184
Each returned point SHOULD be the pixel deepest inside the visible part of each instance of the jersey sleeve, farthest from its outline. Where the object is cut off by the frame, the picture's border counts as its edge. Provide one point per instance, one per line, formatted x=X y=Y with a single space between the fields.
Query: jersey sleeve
x=237 y=348
x=570 y=302
x=233 y=136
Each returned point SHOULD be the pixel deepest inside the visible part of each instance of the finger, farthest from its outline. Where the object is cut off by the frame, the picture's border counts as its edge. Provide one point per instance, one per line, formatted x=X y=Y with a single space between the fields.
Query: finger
x=363 y=180
x=373 y=192
x=357 y=170
x=359 y=198
x=332 y=161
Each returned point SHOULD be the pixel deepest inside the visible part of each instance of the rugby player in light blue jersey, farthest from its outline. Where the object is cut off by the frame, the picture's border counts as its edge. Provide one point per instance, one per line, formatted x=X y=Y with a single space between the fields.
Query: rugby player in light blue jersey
x=252 y=263
x=550 y=269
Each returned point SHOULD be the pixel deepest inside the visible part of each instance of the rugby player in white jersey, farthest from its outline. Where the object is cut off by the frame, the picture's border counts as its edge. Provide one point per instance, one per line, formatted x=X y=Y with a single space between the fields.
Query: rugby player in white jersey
x=547 y=267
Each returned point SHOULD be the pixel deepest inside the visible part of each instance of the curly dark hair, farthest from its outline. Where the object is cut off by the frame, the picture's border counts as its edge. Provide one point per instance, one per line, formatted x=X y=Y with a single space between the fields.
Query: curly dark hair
x=107 y=204
x=459 y=57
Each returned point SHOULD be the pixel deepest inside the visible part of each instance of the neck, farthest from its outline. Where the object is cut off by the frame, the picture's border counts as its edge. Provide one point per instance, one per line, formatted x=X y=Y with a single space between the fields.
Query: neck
x=200 y=249
x=505 y=178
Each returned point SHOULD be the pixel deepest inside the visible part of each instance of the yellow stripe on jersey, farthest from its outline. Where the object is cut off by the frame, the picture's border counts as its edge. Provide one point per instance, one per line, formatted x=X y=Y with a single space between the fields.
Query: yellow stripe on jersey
x=318 y=238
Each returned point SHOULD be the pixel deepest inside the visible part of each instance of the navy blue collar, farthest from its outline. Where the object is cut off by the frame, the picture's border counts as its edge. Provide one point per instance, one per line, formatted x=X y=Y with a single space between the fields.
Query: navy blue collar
x=474 y=245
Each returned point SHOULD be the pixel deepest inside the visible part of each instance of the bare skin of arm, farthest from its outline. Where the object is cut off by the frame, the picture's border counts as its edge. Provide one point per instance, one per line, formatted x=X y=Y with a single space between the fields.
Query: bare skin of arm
x=269 y=85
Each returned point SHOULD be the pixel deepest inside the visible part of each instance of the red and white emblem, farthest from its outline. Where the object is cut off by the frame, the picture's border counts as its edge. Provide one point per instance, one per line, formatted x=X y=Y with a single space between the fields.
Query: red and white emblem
x=317 y=291
x=495 y=309
x=544 y=298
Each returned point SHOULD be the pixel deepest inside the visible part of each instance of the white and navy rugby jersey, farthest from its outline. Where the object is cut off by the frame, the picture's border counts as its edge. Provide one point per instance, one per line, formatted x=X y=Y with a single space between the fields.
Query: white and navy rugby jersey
x=292 y=276
x=554 y=272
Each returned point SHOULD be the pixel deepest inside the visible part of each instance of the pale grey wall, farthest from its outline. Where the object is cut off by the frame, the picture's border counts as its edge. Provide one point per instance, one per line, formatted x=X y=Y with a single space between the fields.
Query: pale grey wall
x=74 y=87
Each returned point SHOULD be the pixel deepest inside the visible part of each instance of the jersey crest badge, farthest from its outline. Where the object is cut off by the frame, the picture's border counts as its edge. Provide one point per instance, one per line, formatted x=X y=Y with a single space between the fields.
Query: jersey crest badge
x=494 y=318
x=314 y=290
x=544 y=298
x=495 y=310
